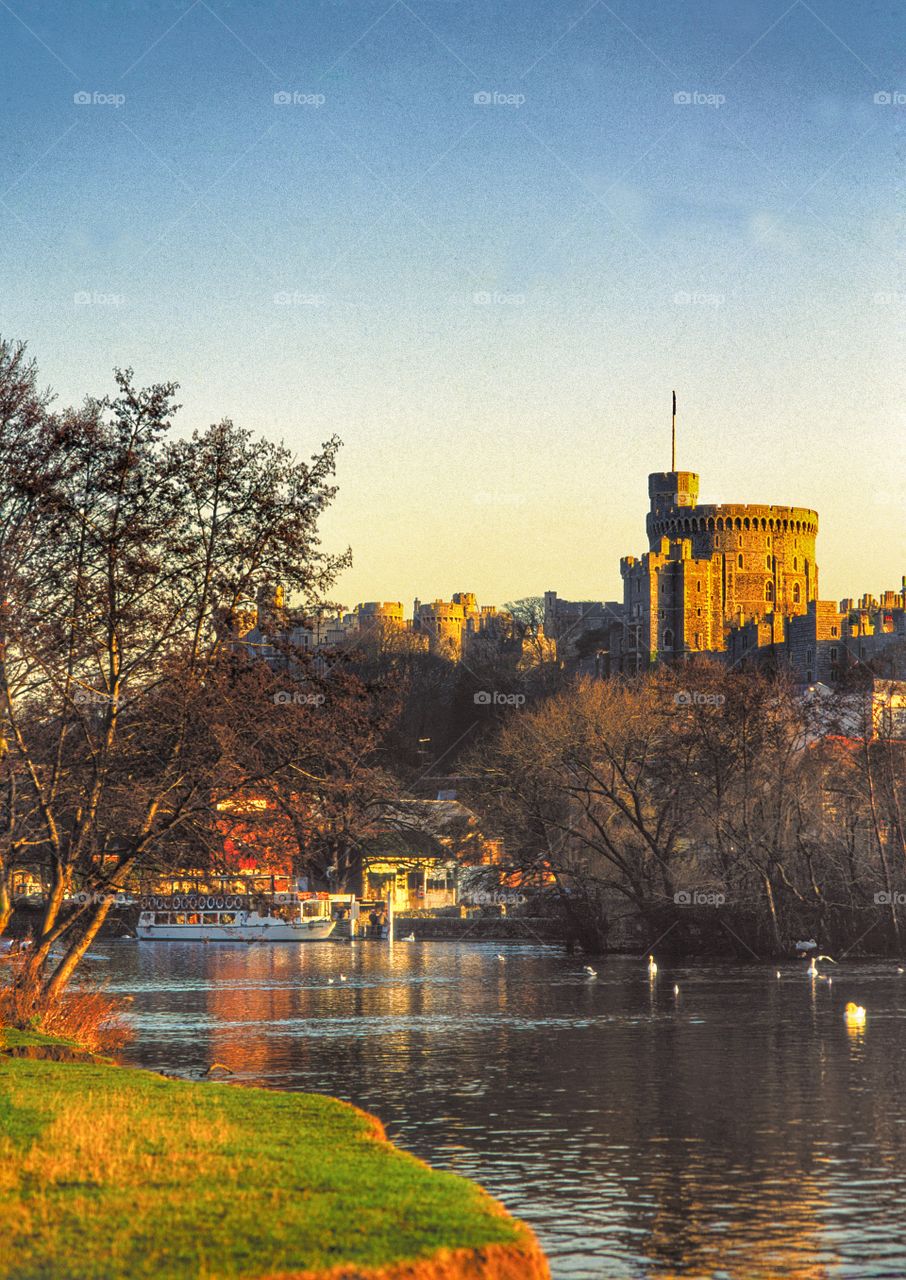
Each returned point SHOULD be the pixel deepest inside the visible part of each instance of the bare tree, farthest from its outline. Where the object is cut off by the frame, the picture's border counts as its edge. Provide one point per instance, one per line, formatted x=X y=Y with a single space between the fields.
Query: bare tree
x=127 y=555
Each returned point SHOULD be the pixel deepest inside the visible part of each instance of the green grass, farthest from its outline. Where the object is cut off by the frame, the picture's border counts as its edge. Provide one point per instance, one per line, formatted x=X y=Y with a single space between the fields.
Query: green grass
x=107 y=1171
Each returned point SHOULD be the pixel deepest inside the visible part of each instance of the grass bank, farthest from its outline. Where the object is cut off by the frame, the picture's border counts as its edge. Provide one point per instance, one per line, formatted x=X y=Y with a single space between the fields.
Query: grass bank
x=111 y=1172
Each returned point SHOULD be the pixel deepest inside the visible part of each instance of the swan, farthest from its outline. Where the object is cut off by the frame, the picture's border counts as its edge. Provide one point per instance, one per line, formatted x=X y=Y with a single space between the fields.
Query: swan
x=676 y=990
x=812 y=970
x=779 y=975
x=854 y=1014
x=411 y=938
x=500 y=957
x=592 y=973
x=343 y=977
x=652 y=967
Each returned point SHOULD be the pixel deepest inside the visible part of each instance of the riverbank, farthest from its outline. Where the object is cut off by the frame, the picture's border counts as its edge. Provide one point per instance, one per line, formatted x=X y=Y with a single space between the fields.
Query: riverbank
x=108 y=1172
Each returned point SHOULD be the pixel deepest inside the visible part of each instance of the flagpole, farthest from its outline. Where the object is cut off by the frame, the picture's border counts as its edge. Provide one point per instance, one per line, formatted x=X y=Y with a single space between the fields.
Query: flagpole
x=673 y=437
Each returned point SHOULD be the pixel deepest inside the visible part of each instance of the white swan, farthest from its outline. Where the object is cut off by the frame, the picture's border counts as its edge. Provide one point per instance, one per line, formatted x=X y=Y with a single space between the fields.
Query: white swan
x=652 y=967
x=592 y=973
x=854 y=1014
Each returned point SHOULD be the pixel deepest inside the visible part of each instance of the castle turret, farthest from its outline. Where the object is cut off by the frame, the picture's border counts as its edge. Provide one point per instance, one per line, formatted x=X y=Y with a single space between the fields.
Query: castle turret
x=668 y=491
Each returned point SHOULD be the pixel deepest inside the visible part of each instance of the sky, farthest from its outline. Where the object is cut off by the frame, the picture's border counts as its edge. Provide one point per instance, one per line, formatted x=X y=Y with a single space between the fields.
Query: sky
x=482 y=243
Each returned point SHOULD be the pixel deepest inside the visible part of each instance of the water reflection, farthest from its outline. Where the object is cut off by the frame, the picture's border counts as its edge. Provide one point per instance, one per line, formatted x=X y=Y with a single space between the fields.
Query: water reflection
x=742 y=1130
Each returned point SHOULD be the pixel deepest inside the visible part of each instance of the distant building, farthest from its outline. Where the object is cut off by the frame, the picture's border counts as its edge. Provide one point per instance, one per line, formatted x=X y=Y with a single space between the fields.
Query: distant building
x=449 y=625
x=829 y=640
x=448 y=628
x=582 y=631
x=732 y=579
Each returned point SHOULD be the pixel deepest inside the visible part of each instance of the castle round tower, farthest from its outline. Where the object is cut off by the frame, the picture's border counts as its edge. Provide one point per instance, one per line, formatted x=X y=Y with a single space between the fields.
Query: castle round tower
x=768 y=552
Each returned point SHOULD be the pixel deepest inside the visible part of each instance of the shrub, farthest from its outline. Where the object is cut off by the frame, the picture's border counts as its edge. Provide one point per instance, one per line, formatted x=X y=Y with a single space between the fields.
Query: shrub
x=86 y=1015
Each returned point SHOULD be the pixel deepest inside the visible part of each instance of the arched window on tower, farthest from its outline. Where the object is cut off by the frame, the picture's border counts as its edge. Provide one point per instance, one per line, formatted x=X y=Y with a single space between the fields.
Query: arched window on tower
x=769 y=591
x=668 y=638
x=739 y=559
x=797 y=594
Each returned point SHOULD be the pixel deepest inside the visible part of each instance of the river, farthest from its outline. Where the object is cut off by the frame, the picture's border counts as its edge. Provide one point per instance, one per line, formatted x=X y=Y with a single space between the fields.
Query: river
x=738 y=1129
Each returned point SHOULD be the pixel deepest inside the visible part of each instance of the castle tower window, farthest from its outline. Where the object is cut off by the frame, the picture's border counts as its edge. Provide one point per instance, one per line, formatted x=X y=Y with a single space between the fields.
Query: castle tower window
x=668 y=638
x=795 y=564
x=796 y=593
x=739 y=559
x=833 y=653
x=769 y=591
x=767 y=562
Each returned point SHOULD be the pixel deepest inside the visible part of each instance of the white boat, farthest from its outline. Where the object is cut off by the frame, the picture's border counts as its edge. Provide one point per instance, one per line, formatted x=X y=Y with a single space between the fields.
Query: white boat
x=197 y=918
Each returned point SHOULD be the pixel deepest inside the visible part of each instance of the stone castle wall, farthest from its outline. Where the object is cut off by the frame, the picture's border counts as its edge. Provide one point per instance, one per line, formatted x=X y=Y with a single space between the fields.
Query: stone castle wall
x=767 y=551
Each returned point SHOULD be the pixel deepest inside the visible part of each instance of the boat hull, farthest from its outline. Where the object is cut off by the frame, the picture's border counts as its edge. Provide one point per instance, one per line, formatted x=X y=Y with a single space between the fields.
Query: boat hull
x=263 y=931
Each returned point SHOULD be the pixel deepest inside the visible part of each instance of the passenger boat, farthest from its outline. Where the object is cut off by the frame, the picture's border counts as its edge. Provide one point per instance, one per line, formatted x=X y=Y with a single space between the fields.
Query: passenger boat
x=231 y=918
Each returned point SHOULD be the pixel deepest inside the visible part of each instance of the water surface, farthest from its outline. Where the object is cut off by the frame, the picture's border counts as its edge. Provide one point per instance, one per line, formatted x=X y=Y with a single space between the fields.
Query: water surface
x=736 y=1130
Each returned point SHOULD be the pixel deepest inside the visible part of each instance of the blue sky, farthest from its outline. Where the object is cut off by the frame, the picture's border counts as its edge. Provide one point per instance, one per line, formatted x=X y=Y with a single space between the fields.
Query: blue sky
x=490 y=301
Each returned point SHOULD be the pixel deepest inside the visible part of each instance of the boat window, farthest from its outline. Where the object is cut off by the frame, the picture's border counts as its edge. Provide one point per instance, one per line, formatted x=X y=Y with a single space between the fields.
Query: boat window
x=179 y=918
x=227 y=917
x=194 y=918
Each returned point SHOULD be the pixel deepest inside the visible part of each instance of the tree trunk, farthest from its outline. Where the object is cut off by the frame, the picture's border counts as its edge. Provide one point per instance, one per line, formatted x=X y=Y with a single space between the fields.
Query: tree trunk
x=772 y=911
x=59 y=979
x=6 y=907
x=44 y=941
